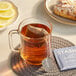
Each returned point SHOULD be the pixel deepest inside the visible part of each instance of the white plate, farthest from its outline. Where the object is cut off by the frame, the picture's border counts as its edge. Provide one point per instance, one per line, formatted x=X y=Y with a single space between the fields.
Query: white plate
x=48 y=7
x=15 y=7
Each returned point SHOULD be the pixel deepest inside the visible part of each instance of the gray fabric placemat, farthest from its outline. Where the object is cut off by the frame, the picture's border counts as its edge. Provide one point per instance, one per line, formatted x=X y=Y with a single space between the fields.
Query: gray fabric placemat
x=21 y=69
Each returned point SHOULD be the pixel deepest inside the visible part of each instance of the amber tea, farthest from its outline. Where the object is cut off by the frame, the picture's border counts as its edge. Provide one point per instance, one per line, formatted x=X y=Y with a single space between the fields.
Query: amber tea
x=35 y=37
x=35 y=43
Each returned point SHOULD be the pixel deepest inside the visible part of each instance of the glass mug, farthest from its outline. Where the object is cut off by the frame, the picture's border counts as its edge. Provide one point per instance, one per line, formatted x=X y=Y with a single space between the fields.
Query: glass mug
x=35 y=40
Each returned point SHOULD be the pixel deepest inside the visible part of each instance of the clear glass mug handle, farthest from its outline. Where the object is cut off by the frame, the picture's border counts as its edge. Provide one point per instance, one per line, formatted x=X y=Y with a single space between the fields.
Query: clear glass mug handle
x=11 y=40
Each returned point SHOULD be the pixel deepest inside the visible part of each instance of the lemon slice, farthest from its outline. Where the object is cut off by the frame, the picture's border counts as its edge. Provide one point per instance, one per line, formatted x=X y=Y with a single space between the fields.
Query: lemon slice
x=5 y=5
x=7 y=14
x=3 y=22
x=6 y=22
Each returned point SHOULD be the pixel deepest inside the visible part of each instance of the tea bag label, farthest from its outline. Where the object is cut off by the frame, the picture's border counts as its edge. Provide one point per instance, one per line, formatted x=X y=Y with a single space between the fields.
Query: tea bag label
x=66 y=57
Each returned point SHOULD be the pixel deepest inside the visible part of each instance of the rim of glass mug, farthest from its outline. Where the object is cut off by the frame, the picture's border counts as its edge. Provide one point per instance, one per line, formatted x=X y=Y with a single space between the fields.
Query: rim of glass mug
x=17 y=31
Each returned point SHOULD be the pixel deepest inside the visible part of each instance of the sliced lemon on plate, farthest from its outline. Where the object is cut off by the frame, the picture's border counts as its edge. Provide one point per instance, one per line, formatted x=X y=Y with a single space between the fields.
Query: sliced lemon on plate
x=5 y=5
x=7 y=14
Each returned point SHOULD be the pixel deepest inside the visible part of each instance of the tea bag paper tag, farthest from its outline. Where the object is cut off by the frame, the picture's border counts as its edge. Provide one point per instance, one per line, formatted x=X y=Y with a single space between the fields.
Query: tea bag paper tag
x=66 y=57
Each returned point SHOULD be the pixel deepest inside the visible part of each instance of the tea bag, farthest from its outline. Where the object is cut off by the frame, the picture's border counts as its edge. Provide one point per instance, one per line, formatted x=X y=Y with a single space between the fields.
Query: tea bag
x=35 y=32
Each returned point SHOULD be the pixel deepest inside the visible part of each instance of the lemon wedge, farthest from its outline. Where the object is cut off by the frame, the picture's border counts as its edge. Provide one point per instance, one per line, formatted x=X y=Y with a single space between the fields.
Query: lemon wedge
x=5 y=5
x=7 y=14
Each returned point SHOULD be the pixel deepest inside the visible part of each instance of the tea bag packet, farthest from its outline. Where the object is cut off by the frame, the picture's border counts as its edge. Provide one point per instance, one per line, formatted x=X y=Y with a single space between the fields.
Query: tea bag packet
x=66 y=57
x=35 y=32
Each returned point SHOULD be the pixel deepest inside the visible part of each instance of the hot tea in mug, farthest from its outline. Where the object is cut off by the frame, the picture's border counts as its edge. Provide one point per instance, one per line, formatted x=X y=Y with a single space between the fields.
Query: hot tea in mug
x=35 y=37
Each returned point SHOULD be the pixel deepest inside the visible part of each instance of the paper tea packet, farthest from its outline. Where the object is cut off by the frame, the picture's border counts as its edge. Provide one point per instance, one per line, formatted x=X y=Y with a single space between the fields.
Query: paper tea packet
x=66 y=57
